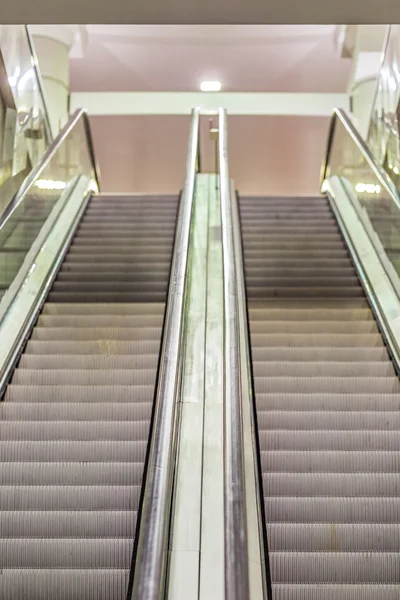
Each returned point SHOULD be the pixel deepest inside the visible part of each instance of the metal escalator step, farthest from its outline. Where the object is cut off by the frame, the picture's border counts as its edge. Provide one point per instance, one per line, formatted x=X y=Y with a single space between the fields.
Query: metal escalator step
x=116 y=276
x=309 y=303
x=322 y=369
x=331 y=591
x=104 y=308
x=326 y=537
x=288 y=270
x=71 y=474
x=108 y=286
x=72 y=430
x=77 y=553
x=64 y=584
x=66 y=498
x=276 y=261
x=85 y=361
x=84 y=334
x=301 y=281
x=335 y=567
x=79 y=393
x=367 y=485
x=75 y=419
x=76 y=411
x=327 y=402
x=85 y=377
x=315 y=420
x=318 y=354
x=71 y=451
x=330 y=440
x=80 y=268
x=285 y=509
x=319 y=326
x=314 y=385
x=305 y=314
x=299 y=340
x=123 y=257
x=103 y=321
x=335 y=461
x=67 y=524
x=100 y=296
x=98 y=347
x=303 y=292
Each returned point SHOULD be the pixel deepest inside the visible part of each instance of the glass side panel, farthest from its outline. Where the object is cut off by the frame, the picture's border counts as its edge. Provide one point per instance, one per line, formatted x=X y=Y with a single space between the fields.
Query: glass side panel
x=72 y=159
x=373 y=202
x=384 y=132
x=24 y=124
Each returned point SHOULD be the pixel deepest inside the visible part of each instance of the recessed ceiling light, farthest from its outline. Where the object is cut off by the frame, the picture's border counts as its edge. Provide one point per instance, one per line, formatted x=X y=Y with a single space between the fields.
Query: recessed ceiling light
x=210 y=86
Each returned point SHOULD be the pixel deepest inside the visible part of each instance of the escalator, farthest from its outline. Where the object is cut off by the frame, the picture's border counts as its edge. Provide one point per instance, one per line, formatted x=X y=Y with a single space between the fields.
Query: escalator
x=76 y=414
x=327 y=404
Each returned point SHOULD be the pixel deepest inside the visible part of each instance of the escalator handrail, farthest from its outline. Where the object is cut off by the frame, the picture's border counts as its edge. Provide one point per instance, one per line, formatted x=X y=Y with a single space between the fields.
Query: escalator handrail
x=48 y=155
x=35 y=63
x=149 y=568
x=236 y=572
x=380 y=173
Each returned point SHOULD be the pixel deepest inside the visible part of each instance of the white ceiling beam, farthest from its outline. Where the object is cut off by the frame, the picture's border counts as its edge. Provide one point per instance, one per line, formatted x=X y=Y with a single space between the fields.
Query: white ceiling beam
x=181 y=103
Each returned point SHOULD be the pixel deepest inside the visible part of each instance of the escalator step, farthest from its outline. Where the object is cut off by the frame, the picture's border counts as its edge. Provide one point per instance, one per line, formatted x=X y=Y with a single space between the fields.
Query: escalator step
x=75 y=419
x=327 y=399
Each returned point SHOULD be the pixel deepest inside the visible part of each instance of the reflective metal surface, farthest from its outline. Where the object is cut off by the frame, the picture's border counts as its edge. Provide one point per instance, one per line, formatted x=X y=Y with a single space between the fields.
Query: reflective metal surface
x=236 y=550
x=69 y=156
x=25 y=130
x=384 y=135
x=150 y=559
x=368 y=186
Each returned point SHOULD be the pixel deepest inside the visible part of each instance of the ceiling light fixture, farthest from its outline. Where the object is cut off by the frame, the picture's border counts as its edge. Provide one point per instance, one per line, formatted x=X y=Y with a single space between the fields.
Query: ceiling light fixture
x=210 y=86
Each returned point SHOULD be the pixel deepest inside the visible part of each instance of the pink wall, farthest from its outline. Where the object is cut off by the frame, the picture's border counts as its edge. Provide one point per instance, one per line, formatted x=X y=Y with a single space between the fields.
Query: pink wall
x=268 y=155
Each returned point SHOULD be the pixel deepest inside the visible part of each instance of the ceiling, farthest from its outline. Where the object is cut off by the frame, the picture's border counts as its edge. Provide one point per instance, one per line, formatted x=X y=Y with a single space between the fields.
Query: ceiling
x=245 y=58
x=200 y=11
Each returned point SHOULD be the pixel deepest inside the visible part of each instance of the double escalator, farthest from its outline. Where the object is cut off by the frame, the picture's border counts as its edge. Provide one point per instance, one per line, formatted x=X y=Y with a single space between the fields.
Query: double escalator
x=327 y=404
x=75 y=417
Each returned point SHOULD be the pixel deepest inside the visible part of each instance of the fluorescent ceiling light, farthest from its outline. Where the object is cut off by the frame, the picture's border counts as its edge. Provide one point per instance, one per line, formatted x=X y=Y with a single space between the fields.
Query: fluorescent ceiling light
x=210 y=86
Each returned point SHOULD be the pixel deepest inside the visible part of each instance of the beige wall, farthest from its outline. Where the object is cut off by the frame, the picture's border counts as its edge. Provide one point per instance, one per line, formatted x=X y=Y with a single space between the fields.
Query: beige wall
x=268 y=155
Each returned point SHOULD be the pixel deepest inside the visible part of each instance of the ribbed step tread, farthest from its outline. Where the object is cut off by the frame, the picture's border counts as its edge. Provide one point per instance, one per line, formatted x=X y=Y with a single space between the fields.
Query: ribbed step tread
x=78 y=334
x=67 y=524
x=341 y=340
x=285 y=509
x=330 y=461
x=84 y=377
x=332 y=567
x=304 y=314
x=84 y=361
x=333 y=384
x=325 y=485
x=62 y=497
x=318 y=354
x=322 y=369
x=79 y=393
x=102 y=308
x=71 y=474
x=291 y=326
x=331 y=591
x=66 y=553
x=315 y=420
x=71 y=451
x=76 y=411
x=68 y=431
x=99 y=347
x=64 y=584
x=328 y=400
x=342 y=537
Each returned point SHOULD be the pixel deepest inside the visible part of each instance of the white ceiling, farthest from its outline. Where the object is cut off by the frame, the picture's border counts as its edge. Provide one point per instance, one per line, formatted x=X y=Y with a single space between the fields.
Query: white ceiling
x=245 y=58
